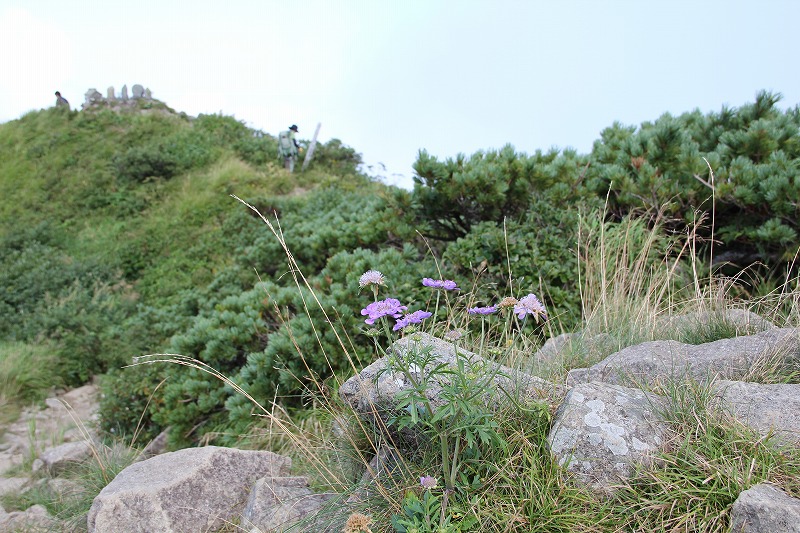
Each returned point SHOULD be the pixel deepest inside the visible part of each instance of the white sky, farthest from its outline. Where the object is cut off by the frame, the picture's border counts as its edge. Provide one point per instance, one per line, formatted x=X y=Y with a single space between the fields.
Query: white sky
x=389 y=78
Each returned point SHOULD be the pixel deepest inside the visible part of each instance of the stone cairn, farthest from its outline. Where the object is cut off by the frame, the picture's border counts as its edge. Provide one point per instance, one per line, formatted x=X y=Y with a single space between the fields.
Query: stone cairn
x=93 y=97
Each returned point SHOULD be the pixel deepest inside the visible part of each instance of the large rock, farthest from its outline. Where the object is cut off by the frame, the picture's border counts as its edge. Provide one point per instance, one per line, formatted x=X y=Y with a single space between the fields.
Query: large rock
x=765 y=509
x=195 y=489
x=769 y=409
x=602 y=431
x=658 y=361
x=276 y=504
x=375 y=389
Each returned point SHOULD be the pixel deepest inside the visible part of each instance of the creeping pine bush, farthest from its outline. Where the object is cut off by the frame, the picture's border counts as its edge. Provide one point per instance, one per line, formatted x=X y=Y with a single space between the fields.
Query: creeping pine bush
x=754 y=152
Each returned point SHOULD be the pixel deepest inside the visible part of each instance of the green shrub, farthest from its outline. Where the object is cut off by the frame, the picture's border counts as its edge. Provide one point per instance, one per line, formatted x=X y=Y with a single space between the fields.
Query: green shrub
x=753 y=152
x=538 y=252
x=450 y=197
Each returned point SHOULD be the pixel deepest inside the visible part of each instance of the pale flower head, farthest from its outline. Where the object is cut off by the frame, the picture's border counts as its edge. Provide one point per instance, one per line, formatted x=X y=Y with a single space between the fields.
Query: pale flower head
x=530 y=305
x=357 y=523
x=428 y=482
x=507 y=302
x=454 y=335
x=371 y=277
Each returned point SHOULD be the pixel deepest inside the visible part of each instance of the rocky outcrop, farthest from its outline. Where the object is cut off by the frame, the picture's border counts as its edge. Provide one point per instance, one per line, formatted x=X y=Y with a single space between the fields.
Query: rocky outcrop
x=593 y=346
x=69 y=415
x=195 y=489
x=93 y=97
x=657 y=362
x=764 y=508
x=601 y=432
x=12 y=485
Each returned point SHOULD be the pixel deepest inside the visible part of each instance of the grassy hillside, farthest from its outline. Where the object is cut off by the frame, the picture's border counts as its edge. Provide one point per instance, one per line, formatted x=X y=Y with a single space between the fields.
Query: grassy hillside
x=108 y=216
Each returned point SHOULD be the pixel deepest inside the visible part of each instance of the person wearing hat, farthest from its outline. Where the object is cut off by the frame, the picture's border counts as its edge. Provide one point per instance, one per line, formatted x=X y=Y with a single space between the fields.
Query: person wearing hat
x=61 y=101
x=288 y=148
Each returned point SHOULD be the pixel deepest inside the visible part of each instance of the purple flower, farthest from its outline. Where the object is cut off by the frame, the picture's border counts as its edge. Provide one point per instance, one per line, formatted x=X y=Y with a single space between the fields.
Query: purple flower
x=446 y=284
x=428 y=482
x=388 y=307
x=529 y=305
x=412 y=318
x=482 y=310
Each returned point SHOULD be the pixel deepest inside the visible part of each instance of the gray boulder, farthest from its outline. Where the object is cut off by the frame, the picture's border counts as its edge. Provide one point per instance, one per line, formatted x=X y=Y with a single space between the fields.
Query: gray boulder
x=12 y=485
x=138 y=91
x=658 y=361
x=764 y=508
x=375 y=389
x=124 y=93
x=601 y=432
x=34 y=519
x=195 y=489
x=769 y=409
x=58 y=459
x=275 y=504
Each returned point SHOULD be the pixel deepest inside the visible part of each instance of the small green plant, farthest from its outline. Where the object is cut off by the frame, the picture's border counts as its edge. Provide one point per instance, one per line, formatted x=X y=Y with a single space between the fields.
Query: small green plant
x=457 y=418
x=429 y=513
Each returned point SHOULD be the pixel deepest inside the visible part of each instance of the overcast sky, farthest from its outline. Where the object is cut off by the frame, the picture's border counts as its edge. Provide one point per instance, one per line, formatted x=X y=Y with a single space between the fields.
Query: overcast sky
x=390 y=78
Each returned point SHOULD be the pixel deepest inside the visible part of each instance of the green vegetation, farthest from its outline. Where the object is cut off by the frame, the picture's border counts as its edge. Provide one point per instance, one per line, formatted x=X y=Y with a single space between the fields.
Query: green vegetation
x=119 y=237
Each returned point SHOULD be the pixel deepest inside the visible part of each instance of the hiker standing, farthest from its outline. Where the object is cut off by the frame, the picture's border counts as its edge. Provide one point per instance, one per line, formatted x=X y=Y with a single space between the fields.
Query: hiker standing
x=61 y=101
x=288 y=148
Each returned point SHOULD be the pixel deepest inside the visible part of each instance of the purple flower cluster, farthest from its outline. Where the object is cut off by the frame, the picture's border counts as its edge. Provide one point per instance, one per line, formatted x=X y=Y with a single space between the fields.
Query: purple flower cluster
x=412 y=318
x=482 y=310
x=530 y=305
x=388 y=307
x=446 y=284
